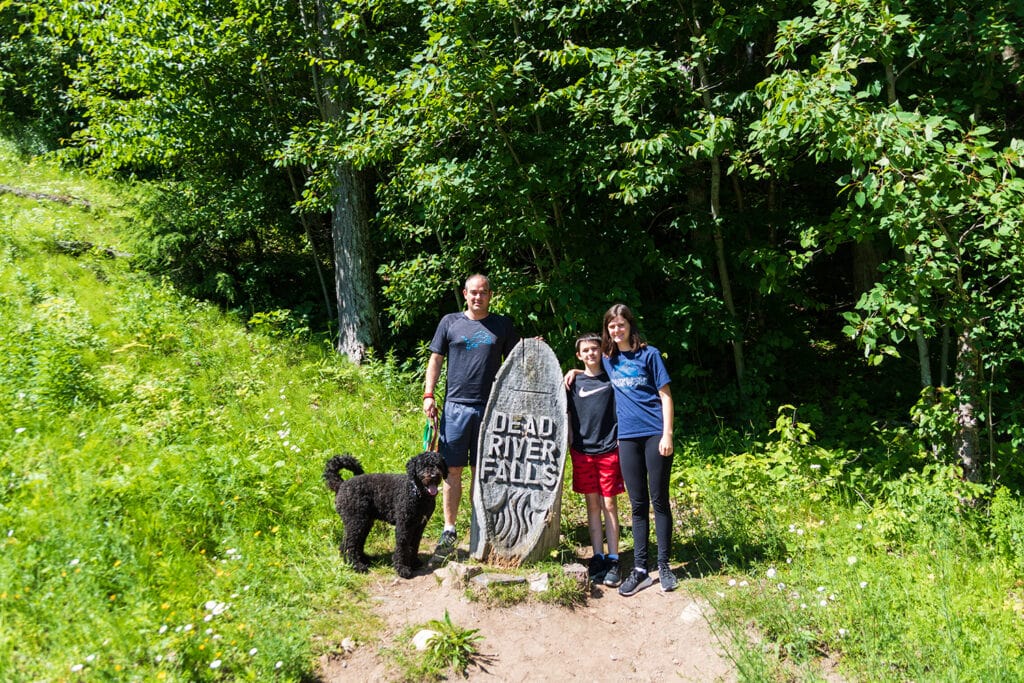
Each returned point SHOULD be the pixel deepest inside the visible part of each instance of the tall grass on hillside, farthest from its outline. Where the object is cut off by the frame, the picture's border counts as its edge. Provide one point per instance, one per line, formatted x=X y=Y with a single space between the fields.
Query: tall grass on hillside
x=162 y=513
x=902 y=577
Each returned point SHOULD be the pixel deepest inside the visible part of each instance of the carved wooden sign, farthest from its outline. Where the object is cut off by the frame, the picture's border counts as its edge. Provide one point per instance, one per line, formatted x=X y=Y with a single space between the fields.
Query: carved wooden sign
x=517 y=492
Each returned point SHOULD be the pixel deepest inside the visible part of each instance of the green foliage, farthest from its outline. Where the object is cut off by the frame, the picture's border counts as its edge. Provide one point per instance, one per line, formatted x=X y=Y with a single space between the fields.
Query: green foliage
x=33 y=106
x=727 y=498
x=162 y=474
x=1007 y=526
x=162 y=468
x=453 y=646
x=893 y=578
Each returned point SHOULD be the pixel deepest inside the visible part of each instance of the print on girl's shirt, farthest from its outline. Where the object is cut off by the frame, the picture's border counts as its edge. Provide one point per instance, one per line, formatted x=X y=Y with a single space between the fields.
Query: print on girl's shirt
x=627 y=374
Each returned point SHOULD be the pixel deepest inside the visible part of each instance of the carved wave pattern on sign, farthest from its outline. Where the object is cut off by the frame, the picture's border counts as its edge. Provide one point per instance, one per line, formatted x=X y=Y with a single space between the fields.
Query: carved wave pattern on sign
x=512 y=521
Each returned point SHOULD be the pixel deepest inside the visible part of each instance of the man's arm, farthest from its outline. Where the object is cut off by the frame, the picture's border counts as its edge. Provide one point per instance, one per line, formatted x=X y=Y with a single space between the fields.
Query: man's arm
x=433 y=374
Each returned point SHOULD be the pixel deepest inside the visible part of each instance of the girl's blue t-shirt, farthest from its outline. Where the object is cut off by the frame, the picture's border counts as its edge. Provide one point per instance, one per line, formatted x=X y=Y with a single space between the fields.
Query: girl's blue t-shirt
x=636 y=377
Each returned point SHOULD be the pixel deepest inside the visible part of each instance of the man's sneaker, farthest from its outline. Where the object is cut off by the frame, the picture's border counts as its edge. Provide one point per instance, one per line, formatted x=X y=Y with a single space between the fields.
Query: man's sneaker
x=596 y=568
x=666 y=578
x=611 y=577
x=447 y=542
x=635 y=582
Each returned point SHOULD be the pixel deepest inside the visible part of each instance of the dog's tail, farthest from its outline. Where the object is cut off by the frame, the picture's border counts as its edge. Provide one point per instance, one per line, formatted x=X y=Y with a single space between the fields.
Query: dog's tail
x=332 y=470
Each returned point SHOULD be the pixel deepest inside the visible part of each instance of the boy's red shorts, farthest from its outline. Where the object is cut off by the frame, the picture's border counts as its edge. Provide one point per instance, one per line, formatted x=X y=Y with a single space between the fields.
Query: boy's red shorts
x=597 y=473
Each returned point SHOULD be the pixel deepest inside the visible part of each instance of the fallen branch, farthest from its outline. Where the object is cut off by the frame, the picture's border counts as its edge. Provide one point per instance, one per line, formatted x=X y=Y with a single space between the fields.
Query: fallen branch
x=77 y=248
x=61 y=198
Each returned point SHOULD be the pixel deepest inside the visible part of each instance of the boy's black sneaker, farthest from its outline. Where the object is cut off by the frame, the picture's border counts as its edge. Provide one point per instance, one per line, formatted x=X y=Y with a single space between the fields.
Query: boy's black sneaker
x=635 y=582
x=596 y=569
x=666 y=578
x=611 y=577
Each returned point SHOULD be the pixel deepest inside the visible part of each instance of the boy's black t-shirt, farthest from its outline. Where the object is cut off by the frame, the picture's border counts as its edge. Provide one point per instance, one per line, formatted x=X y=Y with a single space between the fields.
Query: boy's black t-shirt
x=474 y=349
x=592 y=414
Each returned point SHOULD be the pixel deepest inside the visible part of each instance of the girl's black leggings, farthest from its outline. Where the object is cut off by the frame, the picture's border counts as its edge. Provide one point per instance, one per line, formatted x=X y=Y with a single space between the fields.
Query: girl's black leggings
x=646 y=473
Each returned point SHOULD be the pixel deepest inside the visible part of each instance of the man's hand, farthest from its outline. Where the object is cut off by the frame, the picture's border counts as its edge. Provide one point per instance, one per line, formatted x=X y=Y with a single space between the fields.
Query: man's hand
x=430 y=407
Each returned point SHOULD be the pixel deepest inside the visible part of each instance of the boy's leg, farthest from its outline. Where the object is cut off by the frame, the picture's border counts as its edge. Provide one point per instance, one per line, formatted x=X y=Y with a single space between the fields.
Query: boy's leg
x=594 y=523
x=610 y=508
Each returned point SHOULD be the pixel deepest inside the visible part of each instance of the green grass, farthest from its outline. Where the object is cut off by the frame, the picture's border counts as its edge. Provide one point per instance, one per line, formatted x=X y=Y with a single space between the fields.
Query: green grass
x=891 y=579
x=161 y=506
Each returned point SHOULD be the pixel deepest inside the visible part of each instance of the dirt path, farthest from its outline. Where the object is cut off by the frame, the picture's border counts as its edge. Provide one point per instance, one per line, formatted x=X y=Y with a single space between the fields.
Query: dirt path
x=651 y=636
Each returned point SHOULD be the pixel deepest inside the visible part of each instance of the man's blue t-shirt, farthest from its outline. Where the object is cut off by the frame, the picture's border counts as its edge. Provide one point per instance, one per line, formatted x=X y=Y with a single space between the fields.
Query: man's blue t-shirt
x=636 y=377
x=474 y=349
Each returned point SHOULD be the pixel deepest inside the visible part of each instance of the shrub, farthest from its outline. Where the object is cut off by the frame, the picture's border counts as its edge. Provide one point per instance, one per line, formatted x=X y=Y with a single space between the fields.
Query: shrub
x=1006 y=526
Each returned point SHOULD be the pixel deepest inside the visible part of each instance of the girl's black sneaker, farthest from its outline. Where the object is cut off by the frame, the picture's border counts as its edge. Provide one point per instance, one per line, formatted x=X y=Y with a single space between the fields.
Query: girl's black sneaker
x=635 y=582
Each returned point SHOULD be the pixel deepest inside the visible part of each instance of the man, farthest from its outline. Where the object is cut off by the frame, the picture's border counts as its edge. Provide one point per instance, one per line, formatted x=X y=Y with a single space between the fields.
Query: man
x=474 y=341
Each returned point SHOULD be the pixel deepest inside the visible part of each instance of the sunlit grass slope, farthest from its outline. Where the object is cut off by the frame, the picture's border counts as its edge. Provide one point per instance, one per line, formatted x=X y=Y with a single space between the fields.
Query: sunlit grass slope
x=162 y=513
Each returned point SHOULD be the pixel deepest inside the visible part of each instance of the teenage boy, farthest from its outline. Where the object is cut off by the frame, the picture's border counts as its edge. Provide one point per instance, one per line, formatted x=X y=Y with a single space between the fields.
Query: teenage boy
x=593 y=441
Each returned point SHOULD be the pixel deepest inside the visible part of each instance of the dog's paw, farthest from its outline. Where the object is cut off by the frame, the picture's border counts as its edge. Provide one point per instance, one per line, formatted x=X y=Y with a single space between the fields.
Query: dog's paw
x=416 y=563
x=404 y=572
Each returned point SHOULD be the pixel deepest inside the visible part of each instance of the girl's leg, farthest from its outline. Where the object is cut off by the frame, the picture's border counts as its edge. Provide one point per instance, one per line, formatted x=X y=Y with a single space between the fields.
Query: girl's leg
x=634 y=472
x=659 y=469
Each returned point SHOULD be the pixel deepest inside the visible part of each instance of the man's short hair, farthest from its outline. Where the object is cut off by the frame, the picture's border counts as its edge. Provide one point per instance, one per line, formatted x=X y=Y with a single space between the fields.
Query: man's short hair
x=478 y=276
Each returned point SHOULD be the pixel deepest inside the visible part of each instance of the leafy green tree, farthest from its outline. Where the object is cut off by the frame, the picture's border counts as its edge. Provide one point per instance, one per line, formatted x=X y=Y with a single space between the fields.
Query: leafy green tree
x=201 y=99
x=33 y=106
x=939 y=185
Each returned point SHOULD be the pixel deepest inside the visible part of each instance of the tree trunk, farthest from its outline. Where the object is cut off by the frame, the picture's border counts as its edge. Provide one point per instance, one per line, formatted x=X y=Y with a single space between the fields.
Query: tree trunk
x=865 y=265
x=968 y=442
x=716 y=211
x=352 y=282
x=357 y=327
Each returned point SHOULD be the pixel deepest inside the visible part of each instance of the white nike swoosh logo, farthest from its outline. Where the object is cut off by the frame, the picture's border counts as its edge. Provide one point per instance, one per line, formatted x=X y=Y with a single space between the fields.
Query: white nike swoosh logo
x=584 y=393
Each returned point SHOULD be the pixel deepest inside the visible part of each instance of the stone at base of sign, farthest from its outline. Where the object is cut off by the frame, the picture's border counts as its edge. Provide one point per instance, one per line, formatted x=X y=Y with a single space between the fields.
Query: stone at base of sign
x=456 y=574
x=517 y=493
x=492 y=579
x=579 y=574
x=540 y=583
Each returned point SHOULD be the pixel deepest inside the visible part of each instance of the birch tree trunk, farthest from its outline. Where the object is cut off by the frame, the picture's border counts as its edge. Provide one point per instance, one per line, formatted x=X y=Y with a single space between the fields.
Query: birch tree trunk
x=968 y=441
x=350 y=220
x=357 y=328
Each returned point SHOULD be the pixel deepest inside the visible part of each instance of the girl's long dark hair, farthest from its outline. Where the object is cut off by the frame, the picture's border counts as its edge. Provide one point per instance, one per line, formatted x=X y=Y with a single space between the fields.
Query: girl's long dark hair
x=609 y=347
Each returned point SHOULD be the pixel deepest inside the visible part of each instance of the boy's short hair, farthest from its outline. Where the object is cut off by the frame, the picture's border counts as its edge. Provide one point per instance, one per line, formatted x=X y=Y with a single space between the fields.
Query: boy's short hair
x=588 y=337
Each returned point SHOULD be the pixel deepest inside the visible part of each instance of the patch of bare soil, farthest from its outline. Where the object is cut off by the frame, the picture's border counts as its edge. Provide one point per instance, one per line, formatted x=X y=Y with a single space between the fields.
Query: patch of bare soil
x=650 y=636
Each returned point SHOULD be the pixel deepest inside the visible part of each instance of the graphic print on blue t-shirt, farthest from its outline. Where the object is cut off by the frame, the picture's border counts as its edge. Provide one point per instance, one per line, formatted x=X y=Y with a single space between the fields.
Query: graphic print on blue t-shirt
x=629 y=374
x=478 y=338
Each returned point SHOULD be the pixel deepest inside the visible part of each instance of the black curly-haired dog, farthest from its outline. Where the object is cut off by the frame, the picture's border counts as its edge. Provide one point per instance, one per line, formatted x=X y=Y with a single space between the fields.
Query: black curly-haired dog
x=406 y=501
